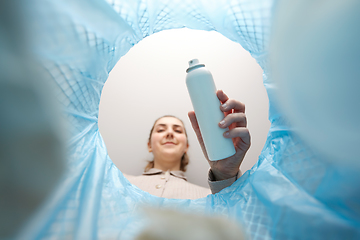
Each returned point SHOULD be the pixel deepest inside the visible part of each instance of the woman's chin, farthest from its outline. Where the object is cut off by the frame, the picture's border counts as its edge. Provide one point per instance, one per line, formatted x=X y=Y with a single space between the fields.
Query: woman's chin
x=171 y=154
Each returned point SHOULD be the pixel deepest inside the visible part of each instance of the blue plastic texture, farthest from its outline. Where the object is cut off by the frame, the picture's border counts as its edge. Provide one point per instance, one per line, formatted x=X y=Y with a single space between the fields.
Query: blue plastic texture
x=291 y=193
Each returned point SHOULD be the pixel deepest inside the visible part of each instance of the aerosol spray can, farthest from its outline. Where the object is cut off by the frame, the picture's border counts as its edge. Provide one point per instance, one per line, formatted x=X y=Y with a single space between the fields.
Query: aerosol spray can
x=202 y=91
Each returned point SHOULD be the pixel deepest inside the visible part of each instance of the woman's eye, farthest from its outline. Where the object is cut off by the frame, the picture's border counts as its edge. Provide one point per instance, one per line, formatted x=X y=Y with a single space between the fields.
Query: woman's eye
x=178 y=131
x=160 y=130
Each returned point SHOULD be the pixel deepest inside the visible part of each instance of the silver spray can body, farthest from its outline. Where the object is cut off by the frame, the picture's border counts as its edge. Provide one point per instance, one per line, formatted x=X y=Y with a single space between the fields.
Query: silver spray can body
x=202 y=91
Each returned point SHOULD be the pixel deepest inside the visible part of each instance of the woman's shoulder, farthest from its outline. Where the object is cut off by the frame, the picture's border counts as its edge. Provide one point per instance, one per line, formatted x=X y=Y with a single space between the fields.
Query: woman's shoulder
x=188 y=189
x=141 y=180
x=132 y=177
x=198 y=188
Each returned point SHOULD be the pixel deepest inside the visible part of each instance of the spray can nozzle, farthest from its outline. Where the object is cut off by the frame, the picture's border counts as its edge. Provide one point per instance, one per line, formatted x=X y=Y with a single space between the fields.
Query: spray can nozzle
x=194 y=63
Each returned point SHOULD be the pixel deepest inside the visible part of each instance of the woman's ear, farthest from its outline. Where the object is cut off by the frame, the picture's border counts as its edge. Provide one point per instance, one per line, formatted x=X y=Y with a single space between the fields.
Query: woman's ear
x=187 y=148
x=149 y=147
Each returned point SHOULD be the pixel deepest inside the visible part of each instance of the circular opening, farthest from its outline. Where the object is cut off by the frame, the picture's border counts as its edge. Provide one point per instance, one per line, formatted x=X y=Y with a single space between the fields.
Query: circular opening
x=149 y=81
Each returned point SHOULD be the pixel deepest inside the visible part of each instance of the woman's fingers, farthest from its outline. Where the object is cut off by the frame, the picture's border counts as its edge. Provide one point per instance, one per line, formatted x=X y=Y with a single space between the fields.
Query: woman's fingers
x=195 y=125
x=238 y=118
x=223 y=99
x=222 y=96
x=194 y=122
x=242 y=133
x=230 y=104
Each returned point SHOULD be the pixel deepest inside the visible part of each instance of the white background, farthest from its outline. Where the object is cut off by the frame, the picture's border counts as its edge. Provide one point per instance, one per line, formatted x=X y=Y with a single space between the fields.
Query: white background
x=149 y=82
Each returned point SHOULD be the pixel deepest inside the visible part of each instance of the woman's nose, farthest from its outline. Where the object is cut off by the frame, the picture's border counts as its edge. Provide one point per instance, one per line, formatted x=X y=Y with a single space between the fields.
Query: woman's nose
x=170 y=133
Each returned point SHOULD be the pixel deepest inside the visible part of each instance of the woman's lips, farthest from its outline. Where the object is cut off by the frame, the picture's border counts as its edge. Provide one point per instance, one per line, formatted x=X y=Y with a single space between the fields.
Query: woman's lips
x=169 y=143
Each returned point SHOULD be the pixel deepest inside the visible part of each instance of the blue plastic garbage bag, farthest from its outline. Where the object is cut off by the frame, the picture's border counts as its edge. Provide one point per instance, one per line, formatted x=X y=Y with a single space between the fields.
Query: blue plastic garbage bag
x=291 y=193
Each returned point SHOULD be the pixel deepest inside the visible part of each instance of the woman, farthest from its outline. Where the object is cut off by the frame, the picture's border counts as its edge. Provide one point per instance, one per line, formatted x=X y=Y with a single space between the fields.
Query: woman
x=164 y=176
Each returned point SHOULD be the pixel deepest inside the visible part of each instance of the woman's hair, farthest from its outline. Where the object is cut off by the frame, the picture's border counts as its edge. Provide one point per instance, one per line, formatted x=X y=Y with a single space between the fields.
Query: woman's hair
x=184 y=159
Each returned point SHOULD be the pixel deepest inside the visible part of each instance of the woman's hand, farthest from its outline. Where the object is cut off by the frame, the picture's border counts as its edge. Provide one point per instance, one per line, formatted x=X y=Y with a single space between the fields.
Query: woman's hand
x=235 y=119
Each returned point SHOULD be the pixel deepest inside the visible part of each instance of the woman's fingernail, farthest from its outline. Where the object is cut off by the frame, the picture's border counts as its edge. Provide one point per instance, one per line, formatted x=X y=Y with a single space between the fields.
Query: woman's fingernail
x=227 y=133
x=224 y=105
x=222 y=122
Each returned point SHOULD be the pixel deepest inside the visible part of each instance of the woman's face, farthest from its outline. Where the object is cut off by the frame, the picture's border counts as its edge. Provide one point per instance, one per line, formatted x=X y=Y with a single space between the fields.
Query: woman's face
x=168 y=140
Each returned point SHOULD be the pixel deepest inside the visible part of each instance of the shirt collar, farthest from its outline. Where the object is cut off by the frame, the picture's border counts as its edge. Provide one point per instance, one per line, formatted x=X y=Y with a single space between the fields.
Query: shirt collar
x=154 y=171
